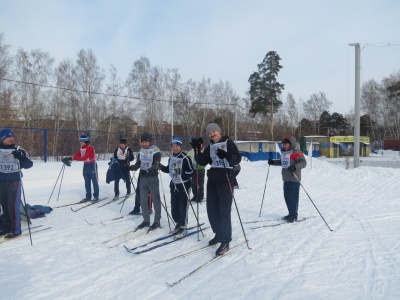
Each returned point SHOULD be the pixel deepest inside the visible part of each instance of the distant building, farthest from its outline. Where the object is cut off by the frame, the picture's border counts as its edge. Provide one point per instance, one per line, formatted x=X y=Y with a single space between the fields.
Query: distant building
x=124 y=125
x=334 y=146
x=259 y=150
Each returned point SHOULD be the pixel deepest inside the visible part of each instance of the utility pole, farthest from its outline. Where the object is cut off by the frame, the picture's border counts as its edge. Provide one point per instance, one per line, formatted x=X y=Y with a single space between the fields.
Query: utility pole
x=357 y=105
x=236 y=99
x=172 y=118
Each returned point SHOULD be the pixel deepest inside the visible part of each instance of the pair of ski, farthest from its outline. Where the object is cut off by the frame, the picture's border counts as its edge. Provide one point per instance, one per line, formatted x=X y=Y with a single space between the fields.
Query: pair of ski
x=34 y=229
x=115 y=199
x=214 y=259
x=87 y=205
x=132 y=250
x=126 y=234
x=205 y=264
x=281 y=222
x=76 y=203
x=114 y=220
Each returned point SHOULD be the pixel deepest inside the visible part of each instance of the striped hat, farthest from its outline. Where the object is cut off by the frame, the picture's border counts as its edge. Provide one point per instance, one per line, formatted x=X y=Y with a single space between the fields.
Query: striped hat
x=177 y=141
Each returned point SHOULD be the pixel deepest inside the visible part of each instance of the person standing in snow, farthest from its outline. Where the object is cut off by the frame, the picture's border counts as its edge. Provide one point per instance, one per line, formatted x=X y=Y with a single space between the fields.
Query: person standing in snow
x=180 y=170
x=292 y=161
x=87 y=155
x=124 y=156
x=148 y=161
x=222 y=154
x=12 y=159
x=198 y=180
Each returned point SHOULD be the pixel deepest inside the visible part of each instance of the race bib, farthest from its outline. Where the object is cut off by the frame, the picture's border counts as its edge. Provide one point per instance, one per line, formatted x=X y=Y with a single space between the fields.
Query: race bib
x=216 y=161
x=174 y=164
x=146 y=158
x=285 y=159
x=8 y=163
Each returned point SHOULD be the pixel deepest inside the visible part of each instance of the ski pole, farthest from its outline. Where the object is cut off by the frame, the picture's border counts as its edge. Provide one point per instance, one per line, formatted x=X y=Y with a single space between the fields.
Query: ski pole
x=262 y=201
x=234 y=200
x=197 y=194
x=130 y=178
x=24 y=202
x=162 y=187
x=312 y=201
x=197 y=219
x=61 y=171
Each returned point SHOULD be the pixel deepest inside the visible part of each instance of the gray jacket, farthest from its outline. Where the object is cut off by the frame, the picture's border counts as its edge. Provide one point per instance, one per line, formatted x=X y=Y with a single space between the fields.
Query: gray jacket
x=296 y=158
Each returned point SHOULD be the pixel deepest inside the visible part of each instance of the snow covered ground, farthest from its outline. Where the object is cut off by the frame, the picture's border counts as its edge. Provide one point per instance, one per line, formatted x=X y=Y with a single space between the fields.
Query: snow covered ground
x=359 y=259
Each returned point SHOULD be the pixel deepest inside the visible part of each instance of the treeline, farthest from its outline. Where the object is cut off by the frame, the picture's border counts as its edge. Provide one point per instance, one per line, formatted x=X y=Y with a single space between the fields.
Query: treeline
x=78 y=94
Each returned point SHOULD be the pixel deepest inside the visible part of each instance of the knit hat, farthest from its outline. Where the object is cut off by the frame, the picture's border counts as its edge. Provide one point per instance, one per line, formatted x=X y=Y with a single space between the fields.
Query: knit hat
x=145 y=137
x=122 y=141
x=212 y=127
x=84 y=139
x=177 y=141
x=5 y=133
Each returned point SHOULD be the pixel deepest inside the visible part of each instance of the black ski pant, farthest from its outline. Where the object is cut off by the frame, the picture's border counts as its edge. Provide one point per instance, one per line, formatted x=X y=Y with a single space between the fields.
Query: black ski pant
x=10 y=196
x=179 y=207
x=125 y=171
x=219 y=204
x=198 y=185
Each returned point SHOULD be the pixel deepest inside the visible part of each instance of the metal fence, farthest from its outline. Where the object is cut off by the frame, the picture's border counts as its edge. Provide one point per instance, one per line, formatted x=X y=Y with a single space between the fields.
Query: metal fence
x=46 y=144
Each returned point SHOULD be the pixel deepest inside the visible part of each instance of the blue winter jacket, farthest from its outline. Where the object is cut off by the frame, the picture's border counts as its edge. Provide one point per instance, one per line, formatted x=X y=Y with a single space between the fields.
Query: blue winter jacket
x=24 y=163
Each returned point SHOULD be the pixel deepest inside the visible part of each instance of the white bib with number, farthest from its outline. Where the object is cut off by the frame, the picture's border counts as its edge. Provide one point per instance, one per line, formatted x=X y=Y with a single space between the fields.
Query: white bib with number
x=174 y=164
x=216 y=161
x=285 y=159
x=146 y=158
x=8 y=163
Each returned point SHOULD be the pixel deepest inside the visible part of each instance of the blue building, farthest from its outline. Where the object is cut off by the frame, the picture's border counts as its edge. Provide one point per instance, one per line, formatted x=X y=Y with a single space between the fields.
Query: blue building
x=259 y=150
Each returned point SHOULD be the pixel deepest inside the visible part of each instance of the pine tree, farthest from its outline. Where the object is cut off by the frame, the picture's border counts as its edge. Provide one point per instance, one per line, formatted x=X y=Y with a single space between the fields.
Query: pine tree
x=265 y=89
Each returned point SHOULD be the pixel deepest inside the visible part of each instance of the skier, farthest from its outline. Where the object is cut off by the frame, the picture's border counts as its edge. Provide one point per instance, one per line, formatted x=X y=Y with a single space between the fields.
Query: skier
x=198 y=180
x=124 y=155
x=148 y=161
x=222 y=154
x=292 y=161
x=180 y=170
x=12 y=159
x=87 y=155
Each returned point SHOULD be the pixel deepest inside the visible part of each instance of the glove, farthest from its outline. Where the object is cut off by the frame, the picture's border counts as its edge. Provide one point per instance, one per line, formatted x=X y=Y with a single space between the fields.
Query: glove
x=67 y=161
x=19 y=154
x=271 y=162
x=291 y=169
x=144 y=172
x=222 y=154
x=195 y=144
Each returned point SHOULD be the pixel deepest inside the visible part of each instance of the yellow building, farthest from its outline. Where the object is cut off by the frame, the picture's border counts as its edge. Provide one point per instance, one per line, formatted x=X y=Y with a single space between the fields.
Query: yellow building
x=334 y=146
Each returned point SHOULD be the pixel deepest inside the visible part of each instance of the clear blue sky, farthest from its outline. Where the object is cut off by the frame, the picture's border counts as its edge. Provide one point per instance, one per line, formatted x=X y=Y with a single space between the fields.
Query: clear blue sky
x=221 y=40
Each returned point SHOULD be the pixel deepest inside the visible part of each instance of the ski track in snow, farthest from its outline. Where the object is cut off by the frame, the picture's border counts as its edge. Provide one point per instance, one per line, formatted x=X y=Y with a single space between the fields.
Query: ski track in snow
x=359 y=259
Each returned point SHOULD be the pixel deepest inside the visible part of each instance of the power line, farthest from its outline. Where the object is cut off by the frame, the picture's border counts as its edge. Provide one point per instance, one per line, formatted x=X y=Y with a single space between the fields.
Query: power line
x=109 y=95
